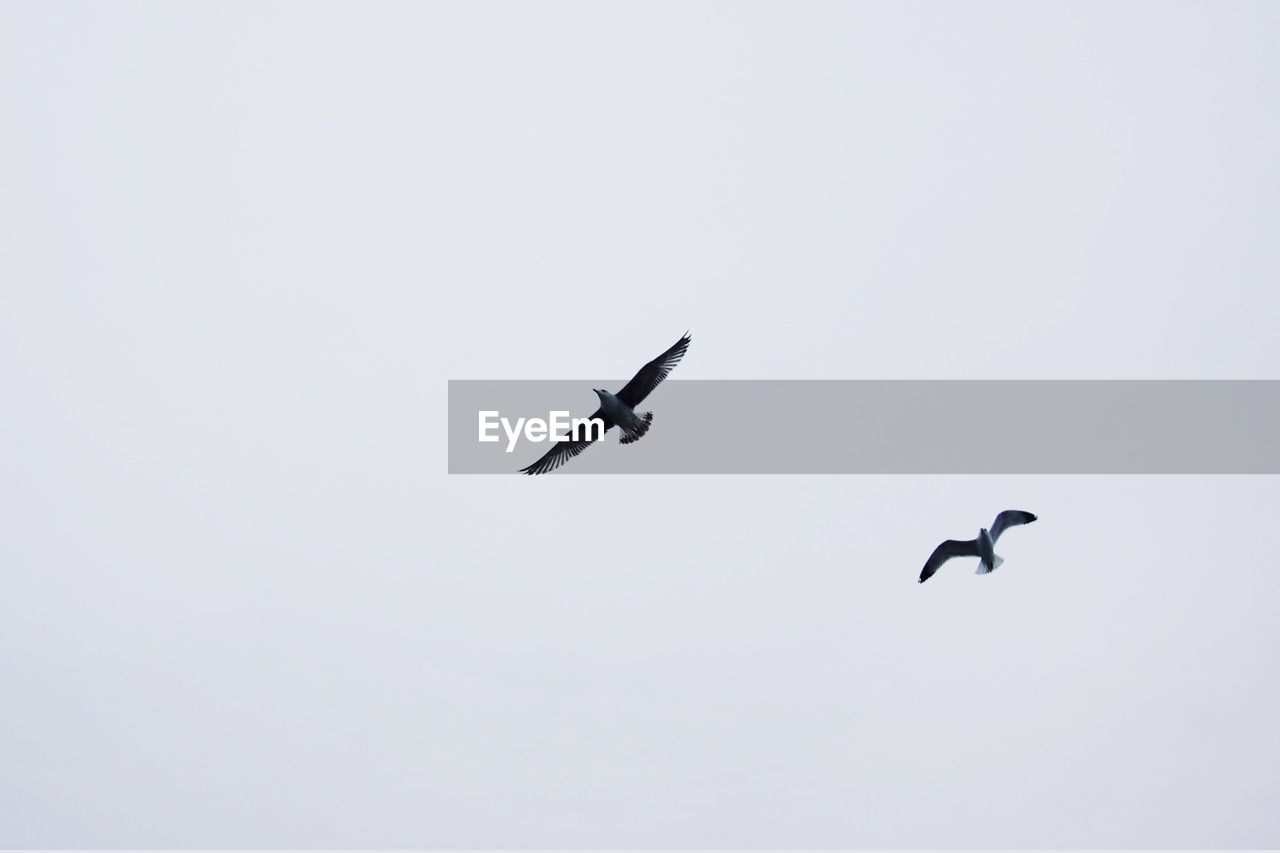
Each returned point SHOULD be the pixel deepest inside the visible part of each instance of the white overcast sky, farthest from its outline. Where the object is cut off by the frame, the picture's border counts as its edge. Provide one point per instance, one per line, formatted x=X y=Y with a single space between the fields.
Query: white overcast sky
x=244 y=245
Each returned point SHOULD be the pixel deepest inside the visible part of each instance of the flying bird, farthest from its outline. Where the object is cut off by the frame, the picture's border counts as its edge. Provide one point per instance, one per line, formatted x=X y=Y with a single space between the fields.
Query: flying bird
x=618 y=410
x=984 y=547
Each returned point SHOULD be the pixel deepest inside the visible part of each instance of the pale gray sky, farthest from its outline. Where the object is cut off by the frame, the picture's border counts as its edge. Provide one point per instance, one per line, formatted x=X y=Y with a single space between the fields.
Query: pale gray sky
x=243 y=247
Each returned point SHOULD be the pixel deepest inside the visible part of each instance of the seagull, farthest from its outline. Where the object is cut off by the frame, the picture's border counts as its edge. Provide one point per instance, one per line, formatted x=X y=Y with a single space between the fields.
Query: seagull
x=618 y=409
x=984 y=547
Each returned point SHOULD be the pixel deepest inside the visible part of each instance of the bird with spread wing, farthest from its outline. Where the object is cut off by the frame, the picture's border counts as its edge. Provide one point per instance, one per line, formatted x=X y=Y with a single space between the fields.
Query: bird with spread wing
x=618 y=410
x=983 y=547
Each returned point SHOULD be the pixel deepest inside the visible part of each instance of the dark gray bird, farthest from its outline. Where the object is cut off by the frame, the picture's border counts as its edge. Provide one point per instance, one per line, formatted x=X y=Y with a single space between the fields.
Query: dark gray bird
x=984 y=547
x=618 y=410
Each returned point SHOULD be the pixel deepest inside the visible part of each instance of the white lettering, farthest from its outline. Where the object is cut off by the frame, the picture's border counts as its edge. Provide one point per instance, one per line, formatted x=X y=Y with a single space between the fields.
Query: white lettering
x=595 y=425
x=486 y=425
x=557 y=424
x=560 y=427
x=512 y=434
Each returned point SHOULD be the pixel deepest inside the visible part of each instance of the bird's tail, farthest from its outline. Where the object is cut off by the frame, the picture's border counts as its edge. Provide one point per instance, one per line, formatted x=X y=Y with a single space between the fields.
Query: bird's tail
x=640 y=429
x=984 y=569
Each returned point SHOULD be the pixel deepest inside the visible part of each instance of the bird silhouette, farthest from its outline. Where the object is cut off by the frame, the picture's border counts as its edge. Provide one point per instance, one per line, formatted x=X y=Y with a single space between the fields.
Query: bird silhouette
x=618 y=410
x=983 y=547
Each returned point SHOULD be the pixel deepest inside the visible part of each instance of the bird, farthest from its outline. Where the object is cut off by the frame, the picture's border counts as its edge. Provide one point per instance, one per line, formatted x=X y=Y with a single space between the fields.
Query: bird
x=618 y=409
x=983 y=547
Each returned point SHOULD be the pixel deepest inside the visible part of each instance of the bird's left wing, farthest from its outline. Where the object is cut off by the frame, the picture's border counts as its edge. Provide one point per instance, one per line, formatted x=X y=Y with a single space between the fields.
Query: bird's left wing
x=1009 y=518
x=563 y=451
x=640 y=386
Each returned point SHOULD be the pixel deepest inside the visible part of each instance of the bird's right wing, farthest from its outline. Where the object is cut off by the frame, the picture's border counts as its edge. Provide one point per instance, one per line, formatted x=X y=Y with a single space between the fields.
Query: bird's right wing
x=1009 y=518
x=634 y=392
x=947 y=550
x=563 y=451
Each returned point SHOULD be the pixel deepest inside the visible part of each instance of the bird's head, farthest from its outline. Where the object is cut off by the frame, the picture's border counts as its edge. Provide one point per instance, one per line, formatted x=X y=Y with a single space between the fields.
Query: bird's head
x=600 y=393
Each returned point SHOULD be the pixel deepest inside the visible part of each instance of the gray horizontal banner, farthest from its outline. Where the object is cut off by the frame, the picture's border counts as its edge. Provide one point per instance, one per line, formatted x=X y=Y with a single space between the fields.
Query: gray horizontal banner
x=885 y=427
